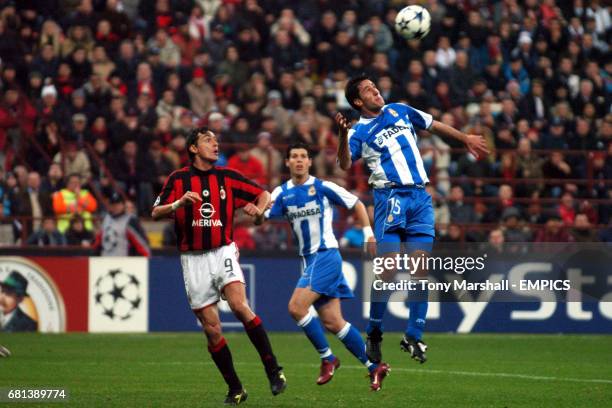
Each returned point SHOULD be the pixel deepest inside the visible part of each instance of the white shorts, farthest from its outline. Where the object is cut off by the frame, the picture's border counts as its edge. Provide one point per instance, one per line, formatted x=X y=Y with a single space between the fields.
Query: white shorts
x=207 y=273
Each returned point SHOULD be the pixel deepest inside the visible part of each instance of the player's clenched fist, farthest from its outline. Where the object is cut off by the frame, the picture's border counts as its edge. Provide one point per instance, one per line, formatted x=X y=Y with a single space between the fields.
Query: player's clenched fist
x=189 y=197
x=252 y=210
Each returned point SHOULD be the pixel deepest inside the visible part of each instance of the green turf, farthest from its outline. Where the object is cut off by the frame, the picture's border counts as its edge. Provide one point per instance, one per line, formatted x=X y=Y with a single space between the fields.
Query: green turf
x=174 y=370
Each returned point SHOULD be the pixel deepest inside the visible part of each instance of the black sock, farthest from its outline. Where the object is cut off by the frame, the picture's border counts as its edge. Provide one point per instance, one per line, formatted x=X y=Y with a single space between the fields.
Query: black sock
x=222 y=357
x=258 y=336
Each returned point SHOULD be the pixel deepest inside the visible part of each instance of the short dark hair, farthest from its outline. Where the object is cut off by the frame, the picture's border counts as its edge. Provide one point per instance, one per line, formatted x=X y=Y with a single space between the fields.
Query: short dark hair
x=298 y=145
x=72 y=175
x=192 y=138
x=351 y=90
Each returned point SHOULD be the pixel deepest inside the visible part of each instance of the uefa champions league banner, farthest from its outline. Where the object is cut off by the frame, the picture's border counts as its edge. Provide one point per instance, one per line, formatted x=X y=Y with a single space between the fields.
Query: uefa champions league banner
x=271 y=280
x=57 y=294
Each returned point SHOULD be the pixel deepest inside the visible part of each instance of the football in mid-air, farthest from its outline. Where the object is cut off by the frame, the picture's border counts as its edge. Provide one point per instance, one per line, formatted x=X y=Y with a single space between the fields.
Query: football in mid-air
x=413 y=22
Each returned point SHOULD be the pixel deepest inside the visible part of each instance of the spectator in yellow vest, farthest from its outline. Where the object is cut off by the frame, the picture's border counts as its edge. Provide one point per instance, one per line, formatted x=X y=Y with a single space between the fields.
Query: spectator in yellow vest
x=73 y=200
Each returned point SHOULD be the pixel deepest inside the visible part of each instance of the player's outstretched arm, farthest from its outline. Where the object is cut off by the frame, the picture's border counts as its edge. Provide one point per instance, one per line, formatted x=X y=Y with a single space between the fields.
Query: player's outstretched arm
x=344 y=154
x=368 y=236
x=161 y=211
x=476 y=144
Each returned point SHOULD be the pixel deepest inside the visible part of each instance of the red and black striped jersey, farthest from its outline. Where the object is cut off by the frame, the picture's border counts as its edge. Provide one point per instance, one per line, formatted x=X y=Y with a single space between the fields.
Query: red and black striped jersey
x=207 y=224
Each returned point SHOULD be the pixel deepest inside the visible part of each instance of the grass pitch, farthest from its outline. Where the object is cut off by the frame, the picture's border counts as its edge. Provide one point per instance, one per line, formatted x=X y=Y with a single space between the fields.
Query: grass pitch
x=175 y=370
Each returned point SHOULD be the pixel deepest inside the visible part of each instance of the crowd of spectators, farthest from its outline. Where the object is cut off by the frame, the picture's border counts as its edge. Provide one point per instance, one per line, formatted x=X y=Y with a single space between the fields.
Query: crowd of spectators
x=98 y=96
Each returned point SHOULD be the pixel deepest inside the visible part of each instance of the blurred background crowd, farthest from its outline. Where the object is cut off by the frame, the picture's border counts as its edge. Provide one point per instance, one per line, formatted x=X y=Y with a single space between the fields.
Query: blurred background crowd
x=98 y=96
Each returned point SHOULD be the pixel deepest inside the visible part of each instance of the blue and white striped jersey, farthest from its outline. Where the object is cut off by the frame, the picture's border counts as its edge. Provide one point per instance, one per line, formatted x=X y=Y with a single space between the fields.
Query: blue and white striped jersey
x=388 y=144
x=308 y=208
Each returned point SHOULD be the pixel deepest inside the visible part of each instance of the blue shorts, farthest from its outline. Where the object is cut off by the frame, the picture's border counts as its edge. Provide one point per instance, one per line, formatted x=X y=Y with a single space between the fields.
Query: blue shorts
x=323 y=274
x=403 y=214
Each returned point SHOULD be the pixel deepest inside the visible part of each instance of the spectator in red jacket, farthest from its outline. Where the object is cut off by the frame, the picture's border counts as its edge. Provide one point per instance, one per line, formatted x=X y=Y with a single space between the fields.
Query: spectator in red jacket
x=248 y=165
x=554 y=231
x=16 y=114
x=567 y=209
x=187 y=44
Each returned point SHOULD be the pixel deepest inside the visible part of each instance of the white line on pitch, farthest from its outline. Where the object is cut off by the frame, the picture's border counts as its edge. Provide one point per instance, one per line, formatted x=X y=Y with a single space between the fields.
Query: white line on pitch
x=485 y=374
x=467 y=373
x=393 y=369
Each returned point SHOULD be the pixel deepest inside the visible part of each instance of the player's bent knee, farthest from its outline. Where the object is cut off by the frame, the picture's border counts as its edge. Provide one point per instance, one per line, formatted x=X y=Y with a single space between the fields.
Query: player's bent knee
x=334 y=325
x=241 y=310
x=213 y=332
x=239 y=307
x=297 y=311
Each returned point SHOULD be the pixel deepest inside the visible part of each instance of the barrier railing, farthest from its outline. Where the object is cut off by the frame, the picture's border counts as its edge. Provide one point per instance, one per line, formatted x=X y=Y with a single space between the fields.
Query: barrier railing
x=586 y=155
x=275 y=225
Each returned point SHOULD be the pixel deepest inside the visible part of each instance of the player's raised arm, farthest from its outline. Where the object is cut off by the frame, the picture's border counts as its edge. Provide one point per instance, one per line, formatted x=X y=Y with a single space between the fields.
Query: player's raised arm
x=476 y=144
x=161 y=211
x=344 y=153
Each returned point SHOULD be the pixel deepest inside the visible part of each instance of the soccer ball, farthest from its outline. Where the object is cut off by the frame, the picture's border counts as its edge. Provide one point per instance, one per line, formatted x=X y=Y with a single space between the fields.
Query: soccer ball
x=413 y=22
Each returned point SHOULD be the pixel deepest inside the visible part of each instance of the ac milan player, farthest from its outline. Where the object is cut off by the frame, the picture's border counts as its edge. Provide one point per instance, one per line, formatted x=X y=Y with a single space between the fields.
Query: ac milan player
x=202 y=198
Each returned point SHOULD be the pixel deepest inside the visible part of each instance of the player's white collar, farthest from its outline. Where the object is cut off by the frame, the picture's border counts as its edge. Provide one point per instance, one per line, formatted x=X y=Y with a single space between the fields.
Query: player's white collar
x=365 y=121
x=308 y=181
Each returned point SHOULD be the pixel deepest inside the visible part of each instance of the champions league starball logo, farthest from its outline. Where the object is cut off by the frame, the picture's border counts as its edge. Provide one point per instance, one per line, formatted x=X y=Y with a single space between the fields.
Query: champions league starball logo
x=111 y=238
x=118 y=294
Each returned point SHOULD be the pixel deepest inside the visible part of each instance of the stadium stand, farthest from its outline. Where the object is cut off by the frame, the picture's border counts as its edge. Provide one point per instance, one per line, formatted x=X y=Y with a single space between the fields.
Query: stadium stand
x=108 y=90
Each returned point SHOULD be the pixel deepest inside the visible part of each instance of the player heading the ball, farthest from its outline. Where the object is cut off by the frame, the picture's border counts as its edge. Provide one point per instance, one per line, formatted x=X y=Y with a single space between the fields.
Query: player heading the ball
x=385 y=136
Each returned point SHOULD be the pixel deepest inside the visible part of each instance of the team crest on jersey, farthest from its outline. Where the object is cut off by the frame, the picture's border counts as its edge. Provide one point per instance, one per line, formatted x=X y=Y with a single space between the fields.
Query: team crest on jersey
x=222 y=193
x=312 y=191
x=205 y=193
x=390 y=218
x=392 y=112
